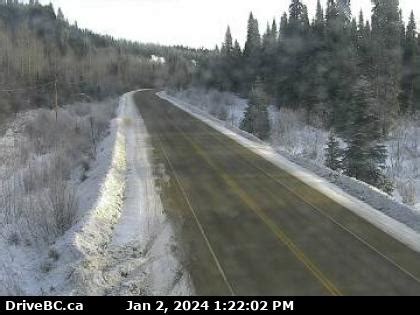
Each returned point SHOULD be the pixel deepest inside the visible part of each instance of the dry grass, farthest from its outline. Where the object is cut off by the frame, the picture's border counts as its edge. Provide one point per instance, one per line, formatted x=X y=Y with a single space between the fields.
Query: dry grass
x=40 y=155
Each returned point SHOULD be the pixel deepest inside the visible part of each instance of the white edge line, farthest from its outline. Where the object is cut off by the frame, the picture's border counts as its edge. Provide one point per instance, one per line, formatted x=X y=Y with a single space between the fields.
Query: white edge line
x=396 y=229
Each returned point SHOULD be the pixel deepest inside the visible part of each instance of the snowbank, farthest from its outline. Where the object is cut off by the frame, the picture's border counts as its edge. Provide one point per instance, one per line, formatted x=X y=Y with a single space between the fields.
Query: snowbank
x=95 y=235
x=40 y=174
x=390 y=225
x=143 y=228
x=127 y=246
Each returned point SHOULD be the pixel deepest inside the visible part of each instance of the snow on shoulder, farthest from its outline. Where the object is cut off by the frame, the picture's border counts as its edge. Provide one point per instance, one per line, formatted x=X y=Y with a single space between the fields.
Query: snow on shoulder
x=387 y=224
x=127 y=241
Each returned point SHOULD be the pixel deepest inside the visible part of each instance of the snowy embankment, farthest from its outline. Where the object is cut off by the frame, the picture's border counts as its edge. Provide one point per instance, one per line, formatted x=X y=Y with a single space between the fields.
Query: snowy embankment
x=127 y=242
x=45 y=156
x=117 y=240
x=376 y=216
x=143 y=226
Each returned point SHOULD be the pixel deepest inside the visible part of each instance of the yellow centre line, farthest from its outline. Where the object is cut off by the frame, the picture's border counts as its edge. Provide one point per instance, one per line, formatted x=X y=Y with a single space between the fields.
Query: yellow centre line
x=323 y=213
x=283 y=237
x=297 y=252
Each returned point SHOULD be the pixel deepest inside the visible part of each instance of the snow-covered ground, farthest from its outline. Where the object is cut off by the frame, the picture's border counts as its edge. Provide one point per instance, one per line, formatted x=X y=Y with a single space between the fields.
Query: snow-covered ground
x=289 y=132
x=38 y=191
x=403 y=164
x=136 y=251
x=222 y=105
x=120 y=242
x=381 y=210
x=141 y=254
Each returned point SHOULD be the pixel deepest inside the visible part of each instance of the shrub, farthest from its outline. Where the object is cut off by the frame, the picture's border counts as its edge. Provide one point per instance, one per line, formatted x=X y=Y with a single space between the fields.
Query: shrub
x=38 y=156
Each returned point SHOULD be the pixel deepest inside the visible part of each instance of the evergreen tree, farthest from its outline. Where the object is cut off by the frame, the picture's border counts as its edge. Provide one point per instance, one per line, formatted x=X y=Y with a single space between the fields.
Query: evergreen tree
x=416 y=78
x=332 y=12
x=297 y=18
x=315 y=95
x=269 y=58
x=365 y=155
x=266 y=38
x=227 y=46
x=60 y=15
x=236 y=52
x=295 y=11
x=334 y=155
x=256 y=119
x=341 y=62
x=387 y=59
x=344 y=9
x=364 y=46
x=236 y=67
x=305 y=20
x=361 y=22
x=402 y=30
x=226 y=62
x=274 y=31
x=252 y=53
x=284 y=23
x=253 y=40
x=410 y=71
x=293 y=57
x=319 y=21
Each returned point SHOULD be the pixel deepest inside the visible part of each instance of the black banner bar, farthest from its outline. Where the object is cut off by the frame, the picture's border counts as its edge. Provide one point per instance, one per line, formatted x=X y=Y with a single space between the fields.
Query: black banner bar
x=172 y=305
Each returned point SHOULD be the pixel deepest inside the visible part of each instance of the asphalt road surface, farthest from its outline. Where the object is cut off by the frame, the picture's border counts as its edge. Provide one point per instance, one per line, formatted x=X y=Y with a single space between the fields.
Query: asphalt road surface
x=247 y=227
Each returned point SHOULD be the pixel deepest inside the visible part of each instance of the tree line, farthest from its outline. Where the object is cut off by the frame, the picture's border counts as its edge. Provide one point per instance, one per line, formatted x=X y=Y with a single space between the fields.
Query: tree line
x=359 y=74
x=40 y=49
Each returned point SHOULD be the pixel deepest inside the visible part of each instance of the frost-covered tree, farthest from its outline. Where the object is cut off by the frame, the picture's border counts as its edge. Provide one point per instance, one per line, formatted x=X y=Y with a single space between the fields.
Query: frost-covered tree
x=256 y=119
x=344 y=9
x=333 y=153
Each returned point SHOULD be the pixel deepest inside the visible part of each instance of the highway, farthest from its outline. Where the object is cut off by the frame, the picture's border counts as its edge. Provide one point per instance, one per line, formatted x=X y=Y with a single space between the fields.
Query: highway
x=247 y=227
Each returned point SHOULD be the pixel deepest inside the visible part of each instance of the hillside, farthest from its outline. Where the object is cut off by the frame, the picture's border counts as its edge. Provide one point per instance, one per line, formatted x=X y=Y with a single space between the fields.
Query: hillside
x=39 y=46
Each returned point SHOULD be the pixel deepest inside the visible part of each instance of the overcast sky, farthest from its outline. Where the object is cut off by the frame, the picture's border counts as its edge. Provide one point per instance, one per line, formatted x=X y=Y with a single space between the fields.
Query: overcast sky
x=196 y=23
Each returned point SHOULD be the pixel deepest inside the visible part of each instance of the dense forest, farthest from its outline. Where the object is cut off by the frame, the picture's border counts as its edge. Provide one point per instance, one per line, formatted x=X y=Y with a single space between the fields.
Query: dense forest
x=357 y=74
x=40 y=50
